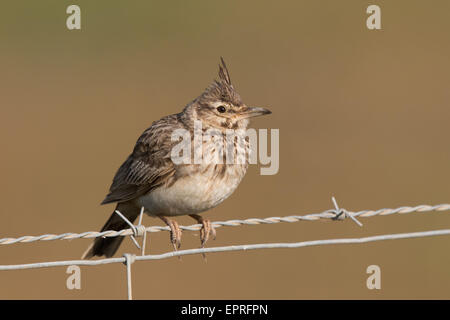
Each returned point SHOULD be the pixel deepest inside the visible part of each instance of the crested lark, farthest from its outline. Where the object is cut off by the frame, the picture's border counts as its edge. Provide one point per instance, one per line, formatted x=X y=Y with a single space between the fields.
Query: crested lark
x=149 y=177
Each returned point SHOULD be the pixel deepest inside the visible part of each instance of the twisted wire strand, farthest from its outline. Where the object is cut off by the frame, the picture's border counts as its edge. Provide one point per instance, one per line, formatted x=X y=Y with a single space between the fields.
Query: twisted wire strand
x=128 y=259
x=328 y=214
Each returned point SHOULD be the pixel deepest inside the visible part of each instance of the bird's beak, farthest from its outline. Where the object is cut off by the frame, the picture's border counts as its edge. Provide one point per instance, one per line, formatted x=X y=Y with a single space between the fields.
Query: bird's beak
x=250 y=112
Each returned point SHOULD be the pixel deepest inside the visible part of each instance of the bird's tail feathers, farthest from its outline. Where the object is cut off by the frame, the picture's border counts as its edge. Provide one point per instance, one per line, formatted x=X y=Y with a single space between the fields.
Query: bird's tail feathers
x=108 y=246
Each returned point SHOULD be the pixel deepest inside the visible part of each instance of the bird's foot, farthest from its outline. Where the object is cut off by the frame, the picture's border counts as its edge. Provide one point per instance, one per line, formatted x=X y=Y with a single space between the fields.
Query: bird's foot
x=175 y=232
x=207 y=229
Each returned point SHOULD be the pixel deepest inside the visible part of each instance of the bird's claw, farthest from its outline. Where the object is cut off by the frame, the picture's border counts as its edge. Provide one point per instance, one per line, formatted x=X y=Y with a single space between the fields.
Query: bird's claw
x=175 y=232
x=206 y=231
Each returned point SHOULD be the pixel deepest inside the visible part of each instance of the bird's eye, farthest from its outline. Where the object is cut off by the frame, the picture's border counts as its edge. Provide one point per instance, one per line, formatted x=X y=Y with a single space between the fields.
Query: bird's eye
x=221 y=109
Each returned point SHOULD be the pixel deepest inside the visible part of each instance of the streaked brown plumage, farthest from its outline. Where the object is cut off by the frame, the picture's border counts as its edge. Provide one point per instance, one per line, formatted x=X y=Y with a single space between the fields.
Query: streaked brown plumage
x=150 y=178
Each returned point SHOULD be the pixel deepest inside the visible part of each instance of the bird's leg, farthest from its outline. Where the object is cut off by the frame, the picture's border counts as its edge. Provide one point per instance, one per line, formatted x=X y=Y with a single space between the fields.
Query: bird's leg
x=206 y=230
x=175 y=232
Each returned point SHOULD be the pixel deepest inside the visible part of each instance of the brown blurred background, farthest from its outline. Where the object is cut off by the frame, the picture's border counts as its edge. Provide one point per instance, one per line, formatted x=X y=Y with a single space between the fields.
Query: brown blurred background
x=363 y=115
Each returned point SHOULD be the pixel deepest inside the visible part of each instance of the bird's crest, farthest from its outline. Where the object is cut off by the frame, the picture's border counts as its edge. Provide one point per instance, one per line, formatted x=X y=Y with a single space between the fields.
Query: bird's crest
x=222 y=89
x=224 y=75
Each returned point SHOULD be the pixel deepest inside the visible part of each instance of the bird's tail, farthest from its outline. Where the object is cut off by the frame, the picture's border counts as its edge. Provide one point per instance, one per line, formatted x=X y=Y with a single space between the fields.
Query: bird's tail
x=108 y=246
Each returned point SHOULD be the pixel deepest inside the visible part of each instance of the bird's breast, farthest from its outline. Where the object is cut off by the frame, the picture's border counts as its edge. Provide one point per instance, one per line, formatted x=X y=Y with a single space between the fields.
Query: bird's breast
x=201 y=188
x=195 y=188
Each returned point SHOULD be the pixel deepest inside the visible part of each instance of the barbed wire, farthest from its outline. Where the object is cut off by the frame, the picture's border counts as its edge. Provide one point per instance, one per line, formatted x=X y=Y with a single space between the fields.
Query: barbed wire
x=129 y=259
x=245 y=247
x=140 y=230
x=328 y=214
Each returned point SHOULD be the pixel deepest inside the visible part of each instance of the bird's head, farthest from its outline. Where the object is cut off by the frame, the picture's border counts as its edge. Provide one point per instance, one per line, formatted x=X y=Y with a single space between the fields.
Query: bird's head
x=220 y=106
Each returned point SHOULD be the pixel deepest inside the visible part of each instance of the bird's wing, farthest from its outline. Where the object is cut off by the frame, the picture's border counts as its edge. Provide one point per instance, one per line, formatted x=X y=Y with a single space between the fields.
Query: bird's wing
x=149 y=166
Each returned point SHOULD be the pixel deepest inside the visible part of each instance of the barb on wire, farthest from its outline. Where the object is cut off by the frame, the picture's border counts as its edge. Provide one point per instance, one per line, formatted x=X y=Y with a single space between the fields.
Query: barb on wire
x=245 y=247
x=129 y=259
x=138 y=231
x=328 y=214
x=342 y=213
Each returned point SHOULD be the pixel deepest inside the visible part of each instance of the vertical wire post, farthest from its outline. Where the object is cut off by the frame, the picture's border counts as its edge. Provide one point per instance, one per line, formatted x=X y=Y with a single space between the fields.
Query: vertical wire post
x=142 y=230
x=129 y=259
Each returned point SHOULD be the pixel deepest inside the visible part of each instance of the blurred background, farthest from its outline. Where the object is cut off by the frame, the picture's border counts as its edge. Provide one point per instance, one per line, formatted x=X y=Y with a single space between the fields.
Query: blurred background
x=363 y=115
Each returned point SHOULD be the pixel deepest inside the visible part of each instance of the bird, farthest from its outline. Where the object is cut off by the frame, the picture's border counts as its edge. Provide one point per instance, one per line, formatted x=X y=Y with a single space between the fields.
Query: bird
x=163 y=188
